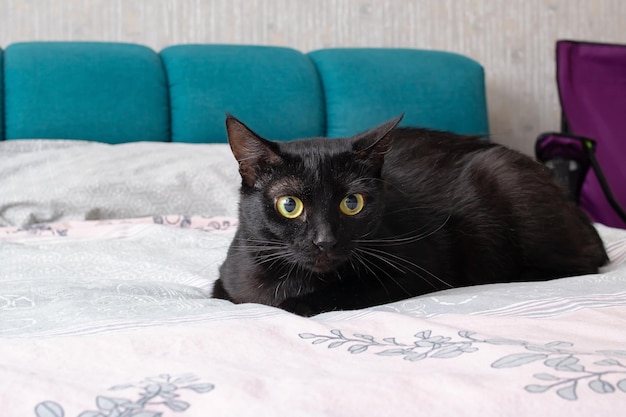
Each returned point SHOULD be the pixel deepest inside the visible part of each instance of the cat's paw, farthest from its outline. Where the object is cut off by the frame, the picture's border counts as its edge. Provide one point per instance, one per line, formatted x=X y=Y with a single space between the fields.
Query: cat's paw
x=220 y=292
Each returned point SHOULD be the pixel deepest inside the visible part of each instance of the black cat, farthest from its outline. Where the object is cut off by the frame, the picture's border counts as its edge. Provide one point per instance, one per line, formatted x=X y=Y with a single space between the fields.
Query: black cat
x=331 y=224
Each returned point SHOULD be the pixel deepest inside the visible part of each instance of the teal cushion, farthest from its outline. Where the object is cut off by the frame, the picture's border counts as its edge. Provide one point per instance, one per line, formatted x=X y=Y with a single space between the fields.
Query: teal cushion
x=106 y=92
x=1 y=97
x=366 y=86
x=273 y=90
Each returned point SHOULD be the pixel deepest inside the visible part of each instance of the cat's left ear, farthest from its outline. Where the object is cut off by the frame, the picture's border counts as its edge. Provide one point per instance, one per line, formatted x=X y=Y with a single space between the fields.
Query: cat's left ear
x=252 y=152
x=374 y=143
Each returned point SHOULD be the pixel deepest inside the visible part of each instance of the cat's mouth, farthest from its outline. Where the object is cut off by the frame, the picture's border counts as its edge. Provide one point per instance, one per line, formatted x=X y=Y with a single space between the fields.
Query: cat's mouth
x=324 y=262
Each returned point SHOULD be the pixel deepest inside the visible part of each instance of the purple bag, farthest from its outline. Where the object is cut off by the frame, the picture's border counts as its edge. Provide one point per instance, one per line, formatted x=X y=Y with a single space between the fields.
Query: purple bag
x=591 y=79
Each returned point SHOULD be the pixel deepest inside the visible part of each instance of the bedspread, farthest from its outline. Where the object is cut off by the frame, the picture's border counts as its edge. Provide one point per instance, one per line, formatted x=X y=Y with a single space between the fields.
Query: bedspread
x=113 y=318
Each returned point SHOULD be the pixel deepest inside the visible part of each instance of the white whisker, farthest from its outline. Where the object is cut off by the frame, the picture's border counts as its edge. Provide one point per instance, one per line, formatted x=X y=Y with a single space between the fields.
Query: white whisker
x=404 y=238
x=387 y=273
x=364 y=262
x=381 y=255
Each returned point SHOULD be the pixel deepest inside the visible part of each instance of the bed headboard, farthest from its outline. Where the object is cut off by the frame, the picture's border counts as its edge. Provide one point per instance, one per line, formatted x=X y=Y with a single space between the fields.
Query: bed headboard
x=118 y=92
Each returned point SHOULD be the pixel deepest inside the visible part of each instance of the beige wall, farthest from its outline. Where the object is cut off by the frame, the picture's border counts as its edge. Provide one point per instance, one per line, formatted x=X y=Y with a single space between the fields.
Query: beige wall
x=513 y=39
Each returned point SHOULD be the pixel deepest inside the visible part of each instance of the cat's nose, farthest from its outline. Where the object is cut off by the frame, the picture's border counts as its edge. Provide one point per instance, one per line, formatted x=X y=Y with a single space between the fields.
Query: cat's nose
x=325 y=243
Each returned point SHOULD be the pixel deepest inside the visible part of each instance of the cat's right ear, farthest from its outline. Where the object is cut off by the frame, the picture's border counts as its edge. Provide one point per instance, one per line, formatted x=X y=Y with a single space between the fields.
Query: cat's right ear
x=374 y=143
x=252 y=152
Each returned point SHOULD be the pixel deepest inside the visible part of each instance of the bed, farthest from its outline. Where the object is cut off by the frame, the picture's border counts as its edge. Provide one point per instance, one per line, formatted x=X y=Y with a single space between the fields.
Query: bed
x=118 y=200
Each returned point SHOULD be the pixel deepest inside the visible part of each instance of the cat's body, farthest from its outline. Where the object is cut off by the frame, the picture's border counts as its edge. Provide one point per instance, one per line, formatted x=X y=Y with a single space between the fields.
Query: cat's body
x=391 y=214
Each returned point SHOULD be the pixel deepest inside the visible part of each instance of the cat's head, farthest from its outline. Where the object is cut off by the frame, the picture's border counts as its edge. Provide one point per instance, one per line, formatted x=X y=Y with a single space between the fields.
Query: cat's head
x=306 y=203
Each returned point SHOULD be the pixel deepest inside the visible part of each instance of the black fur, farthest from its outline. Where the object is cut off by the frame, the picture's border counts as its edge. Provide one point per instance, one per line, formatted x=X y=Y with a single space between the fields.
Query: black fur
x=441 y=211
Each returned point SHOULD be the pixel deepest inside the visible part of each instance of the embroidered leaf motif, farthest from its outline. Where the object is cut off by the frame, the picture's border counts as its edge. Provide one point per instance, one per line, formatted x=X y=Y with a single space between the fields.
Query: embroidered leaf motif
x=517 y=359
x=622 y=385
x=153 y=389
x=546 y=377
x=542 y=349
x=414 y=357
x=601 y=387
x=621 y=353
x=92 y=414
x=357 y=349
x=106 y=403
x=167 y=387
x=537 y=388
x=185 y=379
x=505 y=342
x=201 y=388
x=120 y=387
x=560 y=344
x=565 y=364
x=449 y=352
x=607 y=362
x=392 y=352
x=568 y=392
x=49 y=409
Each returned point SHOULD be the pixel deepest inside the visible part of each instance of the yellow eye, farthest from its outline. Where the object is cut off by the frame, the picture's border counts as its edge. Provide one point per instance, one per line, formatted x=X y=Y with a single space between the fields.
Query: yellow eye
x=352 y=204
x=289 y=206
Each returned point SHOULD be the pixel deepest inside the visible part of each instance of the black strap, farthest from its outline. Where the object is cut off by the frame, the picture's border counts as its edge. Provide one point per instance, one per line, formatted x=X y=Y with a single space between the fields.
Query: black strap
x=589 y=147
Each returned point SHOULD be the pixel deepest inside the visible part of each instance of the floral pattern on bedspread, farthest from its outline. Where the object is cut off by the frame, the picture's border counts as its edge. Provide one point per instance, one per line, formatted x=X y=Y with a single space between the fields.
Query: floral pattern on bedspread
x=604 y=371
x=120 y=227
x=154 y=394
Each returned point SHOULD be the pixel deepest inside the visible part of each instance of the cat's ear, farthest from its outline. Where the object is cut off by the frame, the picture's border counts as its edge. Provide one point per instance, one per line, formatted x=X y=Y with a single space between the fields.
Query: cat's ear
x=253 y=153
x=374 y=143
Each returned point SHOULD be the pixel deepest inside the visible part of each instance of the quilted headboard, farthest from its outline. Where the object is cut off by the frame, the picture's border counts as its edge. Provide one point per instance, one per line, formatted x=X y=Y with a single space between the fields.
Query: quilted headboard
x=117 y=92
